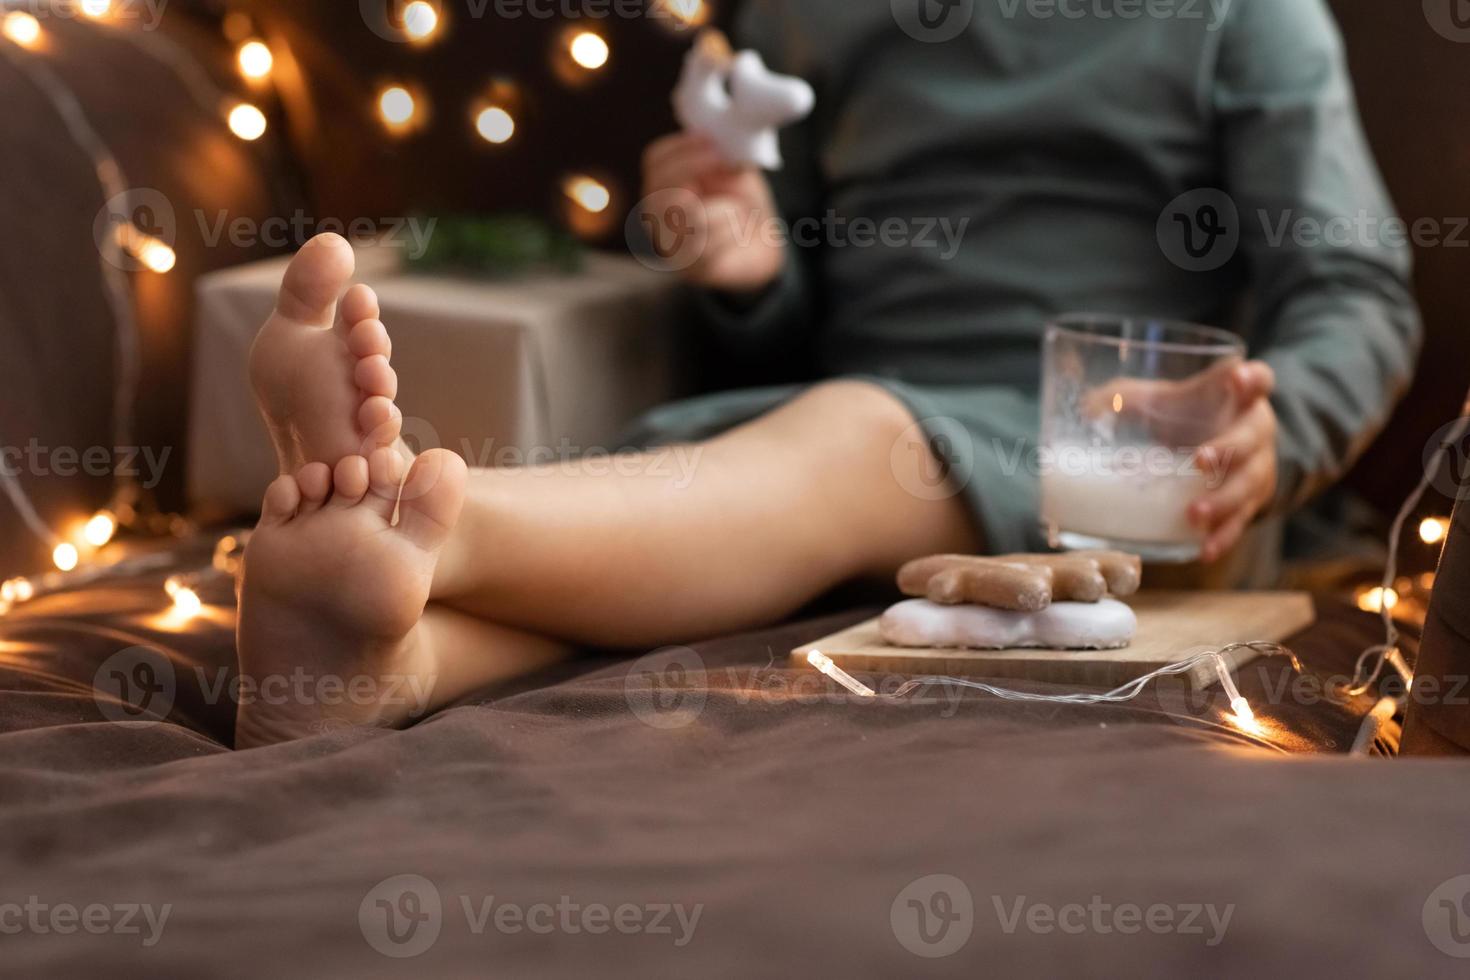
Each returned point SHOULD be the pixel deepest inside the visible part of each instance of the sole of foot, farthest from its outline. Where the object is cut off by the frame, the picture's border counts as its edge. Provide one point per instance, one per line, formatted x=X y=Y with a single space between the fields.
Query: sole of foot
x=321 y=365
x=335 y=580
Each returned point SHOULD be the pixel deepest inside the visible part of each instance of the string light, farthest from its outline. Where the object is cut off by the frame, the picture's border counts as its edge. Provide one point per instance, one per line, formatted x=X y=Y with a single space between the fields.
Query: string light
x=22 y=28
x=156 y=255
x=1432 y=530
x=1242 y=715
x=688 y=13
x=65 y=556
x=589 y=50
x=1377 y=599
x=824 y=663
x=96 y=9
x=398 y=108
x=247 y=122
x=255 y=60
x=187 y=603
x=420 y=20
x=589 y=194
x=100 y=529
x=495 y=125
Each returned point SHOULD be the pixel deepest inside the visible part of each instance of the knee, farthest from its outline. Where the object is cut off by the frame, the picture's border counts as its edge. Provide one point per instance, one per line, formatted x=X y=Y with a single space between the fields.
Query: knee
x=861 y=410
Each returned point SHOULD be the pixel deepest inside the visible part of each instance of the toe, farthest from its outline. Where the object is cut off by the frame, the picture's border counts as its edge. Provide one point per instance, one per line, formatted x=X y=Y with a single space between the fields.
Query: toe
x=432 y=497
x=380 y=422
x=375 y=377
x=385 y=477
x=349 y=481
x=314 y=279
x=369 y=337
x=358 y=303
x=315 y=480
x=282 y=498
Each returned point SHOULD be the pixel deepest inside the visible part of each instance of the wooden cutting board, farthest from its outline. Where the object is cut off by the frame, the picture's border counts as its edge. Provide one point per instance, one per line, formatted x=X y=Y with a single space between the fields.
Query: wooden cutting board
x=1172 y=626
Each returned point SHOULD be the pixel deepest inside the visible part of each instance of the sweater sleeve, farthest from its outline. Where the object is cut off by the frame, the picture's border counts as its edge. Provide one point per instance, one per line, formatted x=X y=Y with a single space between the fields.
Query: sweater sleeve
x=780 y=319
x=1329 y=258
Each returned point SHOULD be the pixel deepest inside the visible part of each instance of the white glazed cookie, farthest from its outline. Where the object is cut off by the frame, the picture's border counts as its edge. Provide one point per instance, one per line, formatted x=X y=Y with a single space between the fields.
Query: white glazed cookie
x=1104 y=625
x=738 y=102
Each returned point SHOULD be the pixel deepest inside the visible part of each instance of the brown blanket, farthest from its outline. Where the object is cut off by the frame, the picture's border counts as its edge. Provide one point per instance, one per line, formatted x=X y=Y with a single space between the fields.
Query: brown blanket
x=711 y=813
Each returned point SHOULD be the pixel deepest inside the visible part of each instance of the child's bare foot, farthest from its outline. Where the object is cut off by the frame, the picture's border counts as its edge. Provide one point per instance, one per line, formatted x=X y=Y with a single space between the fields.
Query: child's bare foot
x=333 y=590
x=320 y=369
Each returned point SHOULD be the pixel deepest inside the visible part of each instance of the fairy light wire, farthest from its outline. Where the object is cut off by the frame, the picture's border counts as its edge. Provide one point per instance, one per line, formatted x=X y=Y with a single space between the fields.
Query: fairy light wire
x=110 y=177
x=1127 y=692
x=1387 y=652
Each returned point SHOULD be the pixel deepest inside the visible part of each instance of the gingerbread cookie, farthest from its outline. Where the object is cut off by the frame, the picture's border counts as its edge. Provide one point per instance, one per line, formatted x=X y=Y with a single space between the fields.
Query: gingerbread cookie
x=1023 y=583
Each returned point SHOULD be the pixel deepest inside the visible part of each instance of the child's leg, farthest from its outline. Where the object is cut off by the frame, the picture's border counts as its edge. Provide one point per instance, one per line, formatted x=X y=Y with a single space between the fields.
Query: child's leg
x=700 y=540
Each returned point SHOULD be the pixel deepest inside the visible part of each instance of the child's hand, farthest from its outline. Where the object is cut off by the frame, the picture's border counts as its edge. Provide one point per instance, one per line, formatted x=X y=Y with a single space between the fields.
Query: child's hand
x=729 y=211
x=1241 y=461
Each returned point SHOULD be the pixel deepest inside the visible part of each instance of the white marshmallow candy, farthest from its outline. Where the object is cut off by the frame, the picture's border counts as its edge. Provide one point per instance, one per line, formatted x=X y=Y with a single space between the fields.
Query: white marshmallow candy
x=738 y=102
x=1105 y=625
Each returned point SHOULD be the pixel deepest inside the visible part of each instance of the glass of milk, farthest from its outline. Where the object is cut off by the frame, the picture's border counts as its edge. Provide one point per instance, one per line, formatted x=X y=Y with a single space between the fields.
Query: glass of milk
x=1126 y=404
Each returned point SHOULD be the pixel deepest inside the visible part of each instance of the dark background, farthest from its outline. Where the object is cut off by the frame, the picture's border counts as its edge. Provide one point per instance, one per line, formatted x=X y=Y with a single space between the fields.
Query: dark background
x=327 y=154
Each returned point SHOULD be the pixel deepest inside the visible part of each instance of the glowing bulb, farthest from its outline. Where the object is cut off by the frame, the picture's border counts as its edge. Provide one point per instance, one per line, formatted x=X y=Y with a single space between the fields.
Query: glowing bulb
x=1242 y=709
x=589 y=50
x=1118 y=403
x=96 y=9
x=256 y=60
x=1432 y=530
x=1377 y=599
x=589 y=194
x=247 y=122
x=24 y=590
x=495 y=125
x=396 y=106
x=687 y=11
x=172 y=585
x=7 y=590
x=65 y=556
x=100 y=529
x=186 y=603
x=420 y=20
x=824 y=663
x=22 y=28
x=157 y=256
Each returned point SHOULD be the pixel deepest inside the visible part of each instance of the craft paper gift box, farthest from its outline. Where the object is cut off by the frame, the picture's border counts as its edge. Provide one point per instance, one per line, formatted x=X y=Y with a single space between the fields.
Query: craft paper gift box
x=538 y=367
